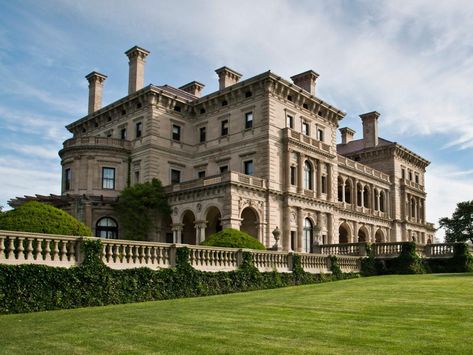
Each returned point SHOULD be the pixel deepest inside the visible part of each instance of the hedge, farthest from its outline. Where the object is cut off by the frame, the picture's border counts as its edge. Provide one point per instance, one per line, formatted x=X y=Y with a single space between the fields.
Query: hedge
x=37 y=217
x=233 y=238
x=29 y=288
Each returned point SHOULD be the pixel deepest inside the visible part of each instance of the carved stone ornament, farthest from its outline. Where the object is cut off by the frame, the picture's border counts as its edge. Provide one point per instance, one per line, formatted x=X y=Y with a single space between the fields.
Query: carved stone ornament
x=199 y=207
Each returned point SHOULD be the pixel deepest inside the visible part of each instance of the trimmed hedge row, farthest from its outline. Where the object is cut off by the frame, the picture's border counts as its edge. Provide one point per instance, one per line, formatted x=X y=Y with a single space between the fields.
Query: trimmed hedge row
x=29 y=288
x=408 y=262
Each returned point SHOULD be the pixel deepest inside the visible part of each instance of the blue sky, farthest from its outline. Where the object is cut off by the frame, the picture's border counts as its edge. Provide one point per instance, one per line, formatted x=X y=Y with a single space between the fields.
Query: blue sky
x=412 y=61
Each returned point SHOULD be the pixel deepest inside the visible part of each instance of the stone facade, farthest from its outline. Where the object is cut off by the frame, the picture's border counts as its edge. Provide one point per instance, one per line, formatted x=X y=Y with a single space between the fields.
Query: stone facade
x=255 y=155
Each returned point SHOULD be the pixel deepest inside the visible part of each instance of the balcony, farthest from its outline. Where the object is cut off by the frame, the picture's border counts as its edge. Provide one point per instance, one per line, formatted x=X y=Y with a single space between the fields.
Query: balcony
x=353 y=165
x=412 y=185
x=97 y=142
x=298 y=137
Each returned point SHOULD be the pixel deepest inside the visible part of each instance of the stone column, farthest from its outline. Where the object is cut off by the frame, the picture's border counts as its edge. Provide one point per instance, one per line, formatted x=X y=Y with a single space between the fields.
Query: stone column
x=355 y=233
x=330 y=236
x=285 y=240
x=177 y=233
x=363 y=195
x=355 y=193
x=231 y=222
x=343 y=189
x=200 y=230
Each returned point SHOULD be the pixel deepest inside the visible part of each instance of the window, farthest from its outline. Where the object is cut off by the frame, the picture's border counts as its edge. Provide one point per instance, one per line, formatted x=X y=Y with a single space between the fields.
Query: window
x=67 y=179
x=138 y=129
x=248 y=120
x=175 y=176
x=307 y=176
x=324 y=184
x=176 y=132
x=410 y=175
x=293 y=175
x=403 y=172
x=223 y=169
x=248 y=94
x=290 y=121
x=137 y=177
x=202 y=134
x=305 y=128
x=123 y=133
x=320 y=135
x=224 y=131
x=417 y=178
x=108 y=178
x=248 y=167
x=201 y=174
x=308 y=238
x=177 y=108
x=109 y=134
x=106 y=228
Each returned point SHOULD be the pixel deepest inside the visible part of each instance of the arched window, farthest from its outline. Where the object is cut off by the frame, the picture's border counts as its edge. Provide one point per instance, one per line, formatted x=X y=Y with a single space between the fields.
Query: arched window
x=308 y=173
x=107 y=228
x=348 y=191
x=308 y=238
x=382 y=198
x=366 y=197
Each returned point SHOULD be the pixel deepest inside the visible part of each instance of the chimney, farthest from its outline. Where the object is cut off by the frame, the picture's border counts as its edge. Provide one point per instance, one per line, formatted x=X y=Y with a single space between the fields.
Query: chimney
x=347 y=134
x=193 y=88
x=136 y=77
x=306 y=81
x=227 y=77
x=95 y=90
x=370 y=129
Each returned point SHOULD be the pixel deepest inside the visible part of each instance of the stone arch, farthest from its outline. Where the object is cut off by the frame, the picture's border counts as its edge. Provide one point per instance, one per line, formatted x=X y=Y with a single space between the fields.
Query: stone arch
x=363 y=235
x=188 y=228
x=379 y=236
x=344 y=233
x=250 y=221
x=308 y=175
x=106 y=227
x=213 y=217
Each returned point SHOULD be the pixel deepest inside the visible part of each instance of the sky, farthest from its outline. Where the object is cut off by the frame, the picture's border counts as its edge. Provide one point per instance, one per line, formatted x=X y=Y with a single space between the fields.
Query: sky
x=412 y=61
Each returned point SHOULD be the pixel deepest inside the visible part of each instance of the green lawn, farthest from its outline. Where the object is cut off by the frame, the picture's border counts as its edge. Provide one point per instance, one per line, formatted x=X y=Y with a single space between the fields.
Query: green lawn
x=430 y=314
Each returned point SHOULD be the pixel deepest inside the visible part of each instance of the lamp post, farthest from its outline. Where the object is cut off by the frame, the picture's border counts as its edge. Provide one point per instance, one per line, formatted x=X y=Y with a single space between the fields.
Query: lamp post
x=276 y=235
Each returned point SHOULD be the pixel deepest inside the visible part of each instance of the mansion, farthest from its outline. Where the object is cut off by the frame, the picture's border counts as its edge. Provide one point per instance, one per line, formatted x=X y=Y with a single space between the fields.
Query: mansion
x=258 y=155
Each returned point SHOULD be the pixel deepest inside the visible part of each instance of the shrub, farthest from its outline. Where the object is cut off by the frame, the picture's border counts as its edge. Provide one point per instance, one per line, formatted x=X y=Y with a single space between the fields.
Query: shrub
x=40 y=217
x=408 y=262
x=233 y=238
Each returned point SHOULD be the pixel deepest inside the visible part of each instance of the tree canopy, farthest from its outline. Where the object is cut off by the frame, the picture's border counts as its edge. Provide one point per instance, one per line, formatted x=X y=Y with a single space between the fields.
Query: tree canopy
x=233 y=238
x=37 y=217
x=139 y=206
x=459 y=228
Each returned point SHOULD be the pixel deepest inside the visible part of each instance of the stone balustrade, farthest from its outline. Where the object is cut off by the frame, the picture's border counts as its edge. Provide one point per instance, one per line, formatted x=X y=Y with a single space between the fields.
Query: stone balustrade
x=97 y=141
x=353 y=165
x=302 y=138
x=353 y=249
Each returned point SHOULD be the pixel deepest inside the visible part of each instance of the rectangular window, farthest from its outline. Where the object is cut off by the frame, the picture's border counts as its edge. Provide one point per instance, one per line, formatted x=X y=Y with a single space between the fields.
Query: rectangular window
x=67 y=179
x=109 y=134
x=403 y=172
x=290 y=121
x=417 y=178
x=201 y=174
x=123 y=133
x=223 y=169
x=248 y=120
x=138 y=129
x=175 y=176
x=108 y=178
x=293 y=175
x=305 y=128
x=248 y=167
x=176 y=132
x=324 y=184
x=202 y=134
x=320 y=135
x=137 y=177
x=224 y=130
x=410 y=175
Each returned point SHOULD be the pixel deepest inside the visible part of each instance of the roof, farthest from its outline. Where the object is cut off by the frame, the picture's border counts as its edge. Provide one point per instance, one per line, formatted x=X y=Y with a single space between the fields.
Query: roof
x=357 y=145
x=178 y=92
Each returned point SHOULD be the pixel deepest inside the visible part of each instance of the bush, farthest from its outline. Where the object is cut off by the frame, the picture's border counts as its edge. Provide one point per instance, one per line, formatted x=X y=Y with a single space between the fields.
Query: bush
x=233 y=238
x=40 y=217
x=408 y=262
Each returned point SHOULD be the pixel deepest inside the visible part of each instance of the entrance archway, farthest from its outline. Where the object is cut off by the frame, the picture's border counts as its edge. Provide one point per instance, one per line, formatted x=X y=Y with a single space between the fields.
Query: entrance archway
x=362 y=235
x=107 y=228
x=188 y=228
x=249 y=223
x=379 y=236
x=308 y=236
x=343 y=234
x=213 y=218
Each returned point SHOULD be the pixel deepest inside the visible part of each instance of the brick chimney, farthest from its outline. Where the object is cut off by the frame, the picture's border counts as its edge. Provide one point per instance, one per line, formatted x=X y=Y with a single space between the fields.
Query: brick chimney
x=347 y=134
x=95 y=90
x=306 y=80
x=227 y=77
x=370 y=129
x=193 y=88
x=136 y=76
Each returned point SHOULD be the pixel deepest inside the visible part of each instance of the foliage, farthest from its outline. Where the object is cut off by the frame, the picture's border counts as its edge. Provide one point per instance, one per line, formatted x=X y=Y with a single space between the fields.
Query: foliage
x=335 y=268
x=459 y=228
x=40 y=217
x=233 y=238
x=408 y=262
x=27 y=288
x=138 y=206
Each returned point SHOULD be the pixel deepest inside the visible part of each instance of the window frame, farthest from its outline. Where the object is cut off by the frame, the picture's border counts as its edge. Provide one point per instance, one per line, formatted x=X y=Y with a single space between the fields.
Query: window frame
x=106 y=180
x=320 y=134
x=293 y=176
x=249 y=167
x=249 y=118
x=176 y=132
x=224 y=128
x=201 y=174
x=203 y=134
x=290 y=121
x=138 y=129
x=305 y=128
x=123 y=133
x=223 y=169
x=67 y=179
x=172 y=175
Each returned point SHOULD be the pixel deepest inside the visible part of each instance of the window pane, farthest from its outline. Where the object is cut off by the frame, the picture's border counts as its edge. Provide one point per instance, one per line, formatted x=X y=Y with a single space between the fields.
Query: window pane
x=249 y=167
x=249 y=120
x=108 y=178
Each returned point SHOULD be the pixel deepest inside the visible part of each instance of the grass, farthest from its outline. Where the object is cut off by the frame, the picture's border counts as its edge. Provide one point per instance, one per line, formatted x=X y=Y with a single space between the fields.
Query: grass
x=431 y=314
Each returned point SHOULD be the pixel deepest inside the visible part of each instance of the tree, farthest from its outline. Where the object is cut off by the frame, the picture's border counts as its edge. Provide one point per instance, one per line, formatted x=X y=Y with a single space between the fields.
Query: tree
x=138 y=208
x=459 y=228
x=37 y=217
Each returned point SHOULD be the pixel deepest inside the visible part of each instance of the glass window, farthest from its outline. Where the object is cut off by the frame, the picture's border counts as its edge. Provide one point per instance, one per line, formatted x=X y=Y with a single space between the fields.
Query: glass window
x=203 y=134
x=248 y=120
x=67 y=179
x=223 y=169
x=305 y=128
x=138 y=129
x=410 y=175
x=106 y=228
x=290 y=121
x=248 y=166
x=224 y=131
x=324 y=184
x=123 y=133
x=176 y=132
x=320 y=135
x=201 y=174
x=137 y=177
x=308 y=238
x=175 y=176
x=293 y=175
x=307 y=176
x=108 y=178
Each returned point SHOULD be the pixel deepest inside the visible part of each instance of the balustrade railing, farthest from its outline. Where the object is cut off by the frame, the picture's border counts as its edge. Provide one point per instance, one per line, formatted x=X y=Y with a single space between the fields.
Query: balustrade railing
x=353 y=249
x=349 y=263
x=315 y=264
